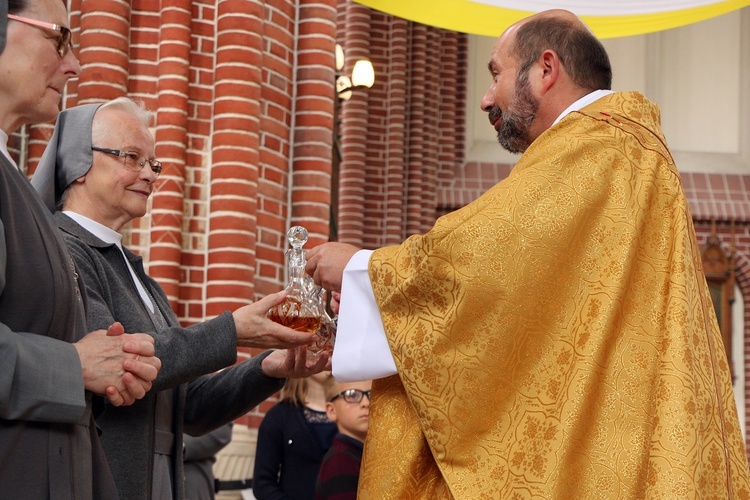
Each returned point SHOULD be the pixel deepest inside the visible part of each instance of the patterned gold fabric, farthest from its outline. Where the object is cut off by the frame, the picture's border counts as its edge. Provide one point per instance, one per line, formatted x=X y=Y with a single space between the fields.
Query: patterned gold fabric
x=555 y=339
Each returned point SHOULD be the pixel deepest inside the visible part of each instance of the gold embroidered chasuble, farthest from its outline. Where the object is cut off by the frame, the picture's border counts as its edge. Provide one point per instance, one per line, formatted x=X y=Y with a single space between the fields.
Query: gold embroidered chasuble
x=555 y=339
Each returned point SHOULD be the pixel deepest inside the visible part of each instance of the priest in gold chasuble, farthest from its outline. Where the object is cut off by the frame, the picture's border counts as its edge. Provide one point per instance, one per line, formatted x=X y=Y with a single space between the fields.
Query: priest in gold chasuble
x=554 y=339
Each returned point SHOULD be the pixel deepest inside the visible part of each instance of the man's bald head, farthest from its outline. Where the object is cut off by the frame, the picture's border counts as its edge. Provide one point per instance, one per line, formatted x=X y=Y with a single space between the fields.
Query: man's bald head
x=581 y=54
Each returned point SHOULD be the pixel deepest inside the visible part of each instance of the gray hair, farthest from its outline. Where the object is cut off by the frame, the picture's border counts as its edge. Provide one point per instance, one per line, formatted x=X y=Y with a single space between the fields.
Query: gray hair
x=127 y=105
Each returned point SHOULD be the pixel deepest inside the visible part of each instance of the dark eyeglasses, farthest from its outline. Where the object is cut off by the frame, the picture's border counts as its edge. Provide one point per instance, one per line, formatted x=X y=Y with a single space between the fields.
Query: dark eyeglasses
x=133 y=160
x=63 y=41
x=351 y=395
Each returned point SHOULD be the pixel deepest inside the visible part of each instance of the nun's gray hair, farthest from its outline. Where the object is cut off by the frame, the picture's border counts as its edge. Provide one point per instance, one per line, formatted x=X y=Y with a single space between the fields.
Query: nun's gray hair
x=126 y=104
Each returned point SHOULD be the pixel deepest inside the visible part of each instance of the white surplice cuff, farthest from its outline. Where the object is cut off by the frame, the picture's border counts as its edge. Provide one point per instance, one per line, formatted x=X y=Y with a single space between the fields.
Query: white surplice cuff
x=361 y=350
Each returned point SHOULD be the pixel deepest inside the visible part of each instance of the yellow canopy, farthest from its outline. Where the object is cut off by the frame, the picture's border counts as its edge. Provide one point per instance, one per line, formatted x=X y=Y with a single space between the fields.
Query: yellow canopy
x=607 y=19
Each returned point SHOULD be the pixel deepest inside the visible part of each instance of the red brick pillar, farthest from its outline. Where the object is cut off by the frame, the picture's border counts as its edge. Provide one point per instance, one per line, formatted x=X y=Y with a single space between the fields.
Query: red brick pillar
x=39 y=136
x=276 y=90
x=416 y=118
x=171 y=138
x=313 y=140
x=354 y=131
x=388 y=98
x=234 y=156
x=70 y=97
x=104 y=50
x=451 y=112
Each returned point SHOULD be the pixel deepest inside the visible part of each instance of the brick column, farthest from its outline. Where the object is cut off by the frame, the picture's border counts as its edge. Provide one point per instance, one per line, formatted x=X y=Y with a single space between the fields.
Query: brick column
x=390 y=54
x=354 y=131
x=104 y=50
x=451 y=121
x=235 y=143
x=276 y=80
x=171 y=137
x=70 y=97
x=418 y=185
x=313 y=141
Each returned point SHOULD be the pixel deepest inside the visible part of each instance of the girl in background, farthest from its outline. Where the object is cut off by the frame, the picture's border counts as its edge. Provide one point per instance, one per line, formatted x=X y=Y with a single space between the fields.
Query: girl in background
x=292 y=440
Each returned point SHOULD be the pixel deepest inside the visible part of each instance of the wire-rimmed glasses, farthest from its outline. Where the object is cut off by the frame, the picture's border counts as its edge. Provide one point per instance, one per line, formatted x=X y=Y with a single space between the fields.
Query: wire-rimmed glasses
x=133 y=159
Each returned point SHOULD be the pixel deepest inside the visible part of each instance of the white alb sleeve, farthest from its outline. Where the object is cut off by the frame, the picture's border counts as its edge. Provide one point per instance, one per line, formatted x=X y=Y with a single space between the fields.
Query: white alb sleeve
x=361 y=350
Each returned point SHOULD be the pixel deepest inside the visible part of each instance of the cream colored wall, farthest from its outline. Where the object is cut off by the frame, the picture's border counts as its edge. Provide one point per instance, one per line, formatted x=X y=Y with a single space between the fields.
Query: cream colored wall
x=698 y=74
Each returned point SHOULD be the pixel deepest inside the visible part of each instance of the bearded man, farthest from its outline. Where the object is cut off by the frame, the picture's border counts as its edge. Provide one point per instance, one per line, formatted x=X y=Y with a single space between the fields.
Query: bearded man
x=555 y=338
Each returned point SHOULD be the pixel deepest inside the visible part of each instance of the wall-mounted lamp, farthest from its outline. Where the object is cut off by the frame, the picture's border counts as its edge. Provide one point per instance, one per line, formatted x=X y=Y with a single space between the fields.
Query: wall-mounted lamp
x=363 y=75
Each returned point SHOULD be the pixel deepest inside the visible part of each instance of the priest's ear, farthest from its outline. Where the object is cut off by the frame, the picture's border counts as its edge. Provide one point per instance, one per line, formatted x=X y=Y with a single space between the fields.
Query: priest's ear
x=549 y=68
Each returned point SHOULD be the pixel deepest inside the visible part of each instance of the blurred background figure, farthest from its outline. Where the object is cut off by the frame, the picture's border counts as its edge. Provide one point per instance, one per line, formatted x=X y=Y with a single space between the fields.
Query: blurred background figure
x=199 y=458
x=292 y=440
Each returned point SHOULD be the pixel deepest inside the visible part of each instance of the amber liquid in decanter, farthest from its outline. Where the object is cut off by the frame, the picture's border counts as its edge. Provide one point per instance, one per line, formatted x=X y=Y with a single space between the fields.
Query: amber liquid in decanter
x=287 y=314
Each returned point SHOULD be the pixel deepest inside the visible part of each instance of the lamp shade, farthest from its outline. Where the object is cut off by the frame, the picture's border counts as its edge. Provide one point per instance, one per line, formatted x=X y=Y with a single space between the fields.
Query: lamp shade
x=339 y=57
x=363 y=74
x=344 y=87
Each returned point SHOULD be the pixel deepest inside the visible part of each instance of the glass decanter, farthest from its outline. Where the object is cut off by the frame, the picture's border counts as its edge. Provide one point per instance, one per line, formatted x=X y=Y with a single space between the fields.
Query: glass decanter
x=297 y=311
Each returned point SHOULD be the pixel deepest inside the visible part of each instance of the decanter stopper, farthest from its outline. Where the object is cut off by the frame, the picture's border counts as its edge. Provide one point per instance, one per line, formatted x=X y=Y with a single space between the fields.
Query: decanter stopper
x=297 y=237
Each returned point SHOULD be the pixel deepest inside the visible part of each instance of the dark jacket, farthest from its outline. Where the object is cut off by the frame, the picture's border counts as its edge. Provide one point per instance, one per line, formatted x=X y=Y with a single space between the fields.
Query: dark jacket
x=49 y=446
x=287 y=444
x=200 y=404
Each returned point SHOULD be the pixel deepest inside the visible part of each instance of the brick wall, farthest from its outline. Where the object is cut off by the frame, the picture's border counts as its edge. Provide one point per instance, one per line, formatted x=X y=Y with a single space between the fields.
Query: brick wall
x=404 y=137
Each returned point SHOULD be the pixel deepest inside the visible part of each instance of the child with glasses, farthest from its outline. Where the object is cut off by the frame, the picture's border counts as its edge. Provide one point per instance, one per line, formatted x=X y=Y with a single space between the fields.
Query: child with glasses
x=349 y=406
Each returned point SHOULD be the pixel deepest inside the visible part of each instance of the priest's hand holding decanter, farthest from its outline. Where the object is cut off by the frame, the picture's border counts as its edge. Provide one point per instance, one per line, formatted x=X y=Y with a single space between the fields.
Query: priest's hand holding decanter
x=303 y=309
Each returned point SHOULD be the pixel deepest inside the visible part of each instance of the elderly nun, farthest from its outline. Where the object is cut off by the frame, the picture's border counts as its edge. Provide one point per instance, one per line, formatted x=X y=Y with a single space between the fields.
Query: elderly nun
x=99 y=171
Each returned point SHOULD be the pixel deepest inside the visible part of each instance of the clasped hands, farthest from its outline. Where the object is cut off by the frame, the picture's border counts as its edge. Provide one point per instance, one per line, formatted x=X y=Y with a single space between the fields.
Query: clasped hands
x=120 y=366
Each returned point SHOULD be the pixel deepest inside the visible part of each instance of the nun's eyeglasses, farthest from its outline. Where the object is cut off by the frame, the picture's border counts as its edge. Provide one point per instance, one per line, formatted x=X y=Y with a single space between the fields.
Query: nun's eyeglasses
x=63 y=41
x=133 y=159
